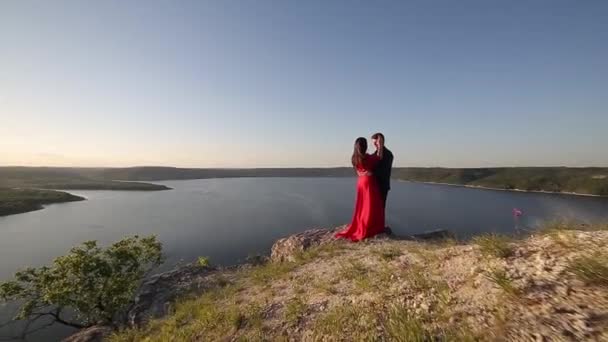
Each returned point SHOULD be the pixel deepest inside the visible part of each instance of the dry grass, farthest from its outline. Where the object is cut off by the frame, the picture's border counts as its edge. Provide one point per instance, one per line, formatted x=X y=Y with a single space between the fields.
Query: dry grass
x=294 y=310
x=194 y=318
x=404 y=326
x=593 y=269
x=387 y=253
x=325 y=286
x=264 y=274
x=346 y=322
x=501 y=279
x=564 y=225
x=494 y=245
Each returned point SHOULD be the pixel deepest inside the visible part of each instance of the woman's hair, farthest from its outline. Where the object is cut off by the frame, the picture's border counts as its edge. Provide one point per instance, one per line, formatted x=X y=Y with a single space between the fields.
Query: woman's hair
x=378 y=135
x=359 y=152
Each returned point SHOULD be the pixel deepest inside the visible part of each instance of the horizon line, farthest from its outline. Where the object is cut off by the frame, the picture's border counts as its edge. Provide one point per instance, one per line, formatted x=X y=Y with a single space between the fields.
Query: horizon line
x=295 y=167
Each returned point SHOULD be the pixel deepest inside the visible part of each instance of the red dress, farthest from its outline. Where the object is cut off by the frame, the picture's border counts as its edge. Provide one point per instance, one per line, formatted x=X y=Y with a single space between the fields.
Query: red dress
x=368 y=218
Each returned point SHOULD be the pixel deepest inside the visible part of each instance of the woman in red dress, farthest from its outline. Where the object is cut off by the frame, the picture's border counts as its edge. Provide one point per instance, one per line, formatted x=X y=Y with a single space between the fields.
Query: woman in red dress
x=368 y=218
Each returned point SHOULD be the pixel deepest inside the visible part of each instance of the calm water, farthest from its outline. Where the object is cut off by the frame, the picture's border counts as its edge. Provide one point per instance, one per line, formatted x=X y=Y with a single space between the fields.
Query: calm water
x=229 y=219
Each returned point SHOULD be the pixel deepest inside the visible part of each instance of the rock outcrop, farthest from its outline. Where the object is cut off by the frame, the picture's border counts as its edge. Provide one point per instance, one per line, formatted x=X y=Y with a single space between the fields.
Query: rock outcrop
x=451 y=290
x=285 y=249
x=93 y=334
x=160 y=291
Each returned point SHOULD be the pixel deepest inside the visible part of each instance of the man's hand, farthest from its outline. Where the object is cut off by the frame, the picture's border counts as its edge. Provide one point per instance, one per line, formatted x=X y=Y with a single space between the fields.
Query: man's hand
x=364 y=173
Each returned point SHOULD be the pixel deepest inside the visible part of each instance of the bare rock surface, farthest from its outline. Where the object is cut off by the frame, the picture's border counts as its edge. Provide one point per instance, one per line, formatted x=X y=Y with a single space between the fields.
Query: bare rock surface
x=285 y=249
x=157 y=294
x=92 y=334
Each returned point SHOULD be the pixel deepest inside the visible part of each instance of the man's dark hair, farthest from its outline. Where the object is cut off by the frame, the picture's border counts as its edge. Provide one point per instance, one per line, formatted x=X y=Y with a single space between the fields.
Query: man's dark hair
x=378 y=135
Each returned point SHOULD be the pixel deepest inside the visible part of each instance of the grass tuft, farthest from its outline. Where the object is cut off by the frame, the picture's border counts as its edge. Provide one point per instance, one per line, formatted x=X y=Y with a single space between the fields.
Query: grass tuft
x=264 y=274
x=294 y=311
x=404 y=326
x=502 y=280
x=347 y=322
x=326 y=286
x=592 y=269
x=359 y=274
x=494 y=245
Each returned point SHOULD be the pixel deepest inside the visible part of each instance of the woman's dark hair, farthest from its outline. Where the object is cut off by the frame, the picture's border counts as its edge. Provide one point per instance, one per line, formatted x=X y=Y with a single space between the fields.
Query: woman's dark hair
x=359 y=151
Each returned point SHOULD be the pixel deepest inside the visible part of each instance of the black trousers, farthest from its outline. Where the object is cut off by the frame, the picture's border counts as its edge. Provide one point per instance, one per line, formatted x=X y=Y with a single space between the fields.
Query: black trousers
x=384 y=194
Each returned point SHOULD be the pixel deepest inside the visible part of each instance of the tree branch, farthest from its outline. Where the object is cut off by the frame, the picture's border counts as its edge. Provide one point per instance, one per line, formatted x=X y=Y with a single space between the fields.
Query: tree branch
x=70 y=324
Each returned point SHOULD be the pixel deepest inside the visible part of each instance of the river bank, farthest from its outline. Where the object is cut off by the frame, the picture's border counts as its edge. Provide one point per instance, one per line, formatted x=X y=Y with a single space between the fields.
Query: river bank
x=511 y=190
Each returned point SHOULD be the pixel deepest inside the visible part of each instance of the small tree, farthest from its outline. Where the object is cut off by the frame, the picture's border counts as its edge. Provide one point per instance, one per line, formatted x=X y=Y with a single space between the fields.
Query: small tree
x=96 y=284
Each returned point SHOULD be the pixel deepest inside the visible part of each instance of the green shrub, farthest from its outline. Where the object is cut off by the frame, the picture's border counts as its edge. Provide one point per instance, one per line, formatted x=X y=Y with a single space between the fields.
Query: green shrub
x=96 y=283
x=203 y=261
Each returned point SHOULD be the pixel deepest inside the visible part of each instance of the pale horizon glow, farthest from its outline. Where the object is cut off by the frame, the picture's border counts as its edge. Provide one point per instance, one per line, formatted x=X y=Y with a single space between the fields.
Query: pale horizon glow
x=219 y=84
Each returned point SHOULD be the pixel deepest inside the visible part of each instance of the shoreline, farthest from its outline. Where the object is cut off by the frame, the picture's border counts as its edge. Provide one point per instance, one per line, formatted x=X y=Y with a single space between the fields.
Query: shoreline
x=31 y=200
x=510 y=190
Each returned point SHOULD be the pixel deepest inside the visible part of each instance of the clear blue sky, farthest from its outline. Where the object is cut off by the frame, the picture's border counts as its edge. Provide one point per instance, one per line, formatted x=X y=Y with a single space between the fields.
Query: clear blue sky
x=293 y=83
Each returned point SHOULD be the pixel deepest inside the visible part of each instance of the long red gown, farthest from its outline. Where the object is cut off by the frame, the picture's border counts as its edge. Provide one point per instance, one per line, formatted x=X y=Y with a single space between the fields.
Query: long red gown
x=368 y=218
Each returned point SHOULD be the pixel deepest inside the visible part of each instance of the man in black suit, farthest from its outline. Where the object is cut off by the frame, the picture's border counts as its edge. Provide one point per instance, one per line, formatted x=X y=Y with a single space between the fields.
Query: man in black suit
x=383 y=169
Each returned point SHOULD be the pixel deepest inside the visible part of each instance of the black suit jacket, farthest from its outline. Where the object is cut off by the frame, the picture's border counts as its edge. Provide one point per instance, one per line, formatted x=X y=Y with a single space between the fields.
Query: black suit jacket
x=383 y=170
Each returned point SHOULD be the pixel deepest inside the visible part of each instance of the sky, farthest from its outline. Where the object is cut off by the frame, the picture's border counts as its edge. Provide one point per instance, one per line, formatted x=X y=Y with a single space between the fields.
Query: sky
x=294 y=83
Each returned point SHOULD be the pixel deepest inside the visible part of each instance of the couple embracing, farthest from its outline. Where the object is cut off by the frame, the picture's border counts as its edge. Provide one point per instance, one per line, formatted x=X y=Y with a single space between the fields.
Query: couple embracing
x=373 y=184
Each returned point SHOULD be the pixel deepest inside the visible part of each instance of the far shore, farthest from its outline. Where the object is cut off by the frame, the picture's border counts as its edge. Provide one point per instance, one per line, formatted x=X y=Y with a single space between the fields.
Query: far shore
x=511 y=190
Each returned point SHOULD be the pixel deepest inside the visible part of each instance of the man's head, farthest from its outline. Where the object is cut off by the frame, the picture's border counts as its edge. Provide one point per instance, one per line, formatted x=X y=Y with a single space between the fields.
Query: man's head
x=378 y=140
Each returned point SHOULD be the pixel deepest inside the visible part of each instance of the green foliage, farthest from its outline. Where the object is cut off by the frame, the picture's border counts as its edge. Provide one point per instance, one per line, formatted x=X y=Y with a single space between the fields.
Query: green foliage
x=203 y=261
x=494 y=245
x=96 y=283
x=591 y=269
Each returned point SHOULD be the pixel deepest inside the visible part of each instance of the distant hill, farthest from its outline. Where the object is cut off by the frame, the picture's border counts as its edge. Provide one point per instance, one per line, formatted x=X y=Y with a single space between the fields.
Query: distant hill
x=165 y=173
x=66 y=178
x=587 y=180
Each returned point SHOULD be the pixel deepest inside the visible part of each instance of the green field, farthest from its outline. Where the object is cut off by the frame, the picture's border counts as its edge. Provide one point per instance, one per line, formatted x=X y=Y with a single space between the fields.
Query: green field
x=15 y=201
